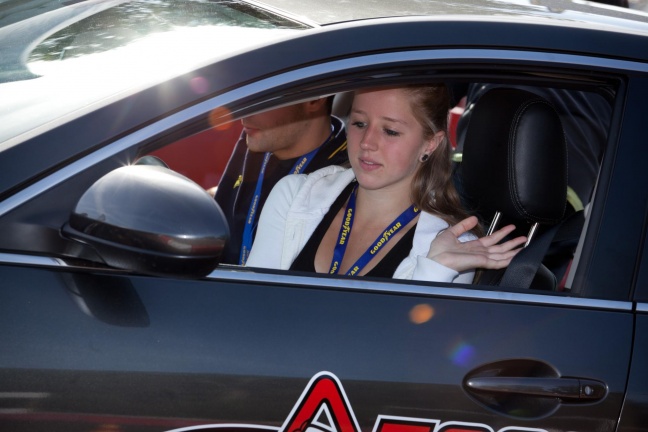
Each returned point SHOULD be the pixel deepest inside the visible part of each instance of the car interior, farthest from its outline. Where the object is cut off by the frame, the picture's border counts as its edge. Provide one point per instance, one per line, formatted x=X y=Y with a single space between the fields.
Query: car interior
x=512 y=159
x=527 y=151
x=514 y=170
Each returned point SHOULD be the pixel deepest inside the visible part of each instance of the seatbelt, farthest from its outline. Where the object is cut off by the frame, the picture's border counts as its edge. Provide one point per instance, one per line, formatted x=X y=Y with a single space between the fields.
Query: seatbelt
x=524 y=266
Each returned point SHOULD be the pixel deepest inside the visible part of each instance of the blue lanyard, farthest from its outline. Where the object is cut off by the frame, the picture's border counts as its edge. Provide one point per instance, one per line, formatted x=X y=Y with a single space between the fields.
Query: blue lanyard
x=250 y=221
x=345 y=232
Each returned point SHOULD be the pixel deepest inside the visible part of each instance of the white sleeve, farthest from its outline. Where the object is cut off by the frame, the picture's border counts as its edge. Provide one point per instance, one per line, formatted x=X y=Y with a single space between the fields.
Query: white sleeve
x=268 y=243
x=418 y=266
x=430 y=270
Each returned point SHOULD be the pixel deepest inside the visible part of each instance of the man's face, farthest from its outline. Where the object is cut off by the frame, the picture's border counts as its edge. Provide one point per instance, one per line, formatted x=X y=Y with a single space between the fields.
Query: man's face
x=275 y=130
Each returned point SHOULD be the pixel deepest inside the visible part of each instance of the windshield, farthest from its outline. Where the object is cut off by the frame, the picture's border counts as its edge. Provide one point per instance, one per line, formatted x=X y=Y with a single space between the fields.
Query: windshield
x=135 y=21
x=71 y=57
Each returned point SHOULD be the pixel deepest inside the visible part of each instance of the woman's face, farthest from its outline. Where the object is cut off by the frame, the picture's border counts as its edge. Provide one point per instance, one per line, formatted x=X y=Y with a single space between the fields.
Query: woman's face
x=385 y=141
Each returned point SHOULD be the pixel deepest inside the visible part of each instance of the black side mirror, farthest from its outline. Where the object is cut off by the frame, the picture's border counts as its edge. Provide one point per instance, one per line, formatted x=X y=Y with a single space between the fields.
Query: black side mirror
x=150 y=219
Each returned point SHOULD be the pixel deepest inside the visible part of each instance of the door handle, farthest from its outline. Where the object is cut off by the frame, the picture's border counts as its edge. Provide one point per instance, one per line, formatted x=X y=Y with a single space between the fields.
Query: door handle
x=566 y=389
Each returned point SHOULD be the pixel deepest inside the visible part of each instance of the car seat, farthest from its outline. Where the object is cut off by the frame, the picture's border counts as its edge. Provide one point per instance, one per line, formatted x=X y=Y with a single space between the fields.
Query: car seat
x=342 y=105
x=514 y=170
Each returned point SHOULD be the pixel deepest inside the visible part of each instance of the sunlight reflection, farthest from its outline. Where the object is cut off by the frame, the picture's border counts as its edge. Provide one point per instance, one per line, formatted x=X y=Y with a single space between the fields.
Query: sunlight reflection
x=158 y=56
x=421 y=313
x=461 y=353
x=71 y=87
x=199 y=85
x=220 y=118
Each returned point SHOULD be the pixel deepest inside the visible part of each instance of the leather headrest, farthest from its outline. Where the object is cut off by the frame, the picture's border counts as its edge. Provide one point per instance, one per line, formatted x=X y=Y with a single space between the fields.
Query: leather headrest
x=515 y=157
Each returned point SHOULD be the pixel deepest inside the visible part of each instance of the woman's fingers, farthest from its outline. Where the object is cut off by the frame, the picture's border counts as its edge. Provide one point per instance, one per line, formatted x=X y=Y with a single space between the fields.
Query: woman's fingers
x=500 y=255
x=463 y=226
x=508 y=245
x=486 y=252
x=498 y=235
x=500 y=260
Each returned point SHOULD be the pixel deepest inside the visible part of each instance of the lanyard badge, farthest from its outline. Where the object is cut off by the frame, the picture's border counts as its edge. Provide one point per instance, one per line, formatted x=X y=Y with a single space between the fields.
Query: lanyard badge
x=345 y=232
x=251 y=220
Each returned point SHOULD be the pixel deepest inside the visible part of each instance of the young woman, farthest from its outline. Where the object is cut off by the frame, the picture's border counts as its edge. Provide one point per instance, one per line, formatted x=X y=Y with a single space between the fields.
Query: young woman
x=394 y=213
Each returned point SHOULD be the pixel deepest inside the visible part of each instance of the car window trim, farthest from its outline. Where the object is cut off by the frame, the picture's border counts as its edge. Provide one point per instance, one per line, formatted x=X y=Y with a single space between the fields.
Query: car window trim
x=386 y=286
x=244 y=94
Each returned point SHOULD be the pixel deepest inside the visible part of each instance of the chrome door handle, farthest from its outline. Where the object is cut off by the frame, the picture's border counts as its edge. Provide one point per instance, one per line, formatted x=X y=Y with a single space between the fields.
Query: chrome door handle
x=566 y=389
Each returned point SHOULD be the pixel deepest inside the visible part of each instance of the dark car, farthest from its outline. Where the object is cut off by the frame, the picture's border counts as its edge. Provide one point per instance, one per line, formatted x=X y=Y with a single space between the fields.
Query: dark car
x=116 y=315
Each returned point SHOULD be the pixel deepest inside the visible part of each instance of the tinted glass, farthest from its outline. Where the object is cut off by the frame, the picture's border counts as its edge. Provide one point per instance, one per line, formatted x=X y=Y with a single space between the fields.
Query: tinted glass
x=130 y=22
x=69 y=58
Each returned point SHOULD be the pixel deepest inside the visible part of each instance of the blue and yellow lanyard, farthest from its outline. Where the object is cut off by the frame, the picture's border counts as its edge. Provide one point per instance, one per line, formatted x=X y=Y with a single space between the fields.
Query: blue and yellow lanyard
x=250 y=222
x=345 y=232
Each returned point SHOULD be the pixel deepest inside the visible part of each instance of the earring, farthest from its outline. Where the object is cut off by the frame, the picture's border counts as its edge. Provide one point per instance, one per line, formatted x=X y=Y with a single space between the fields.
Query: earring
x=424 y=158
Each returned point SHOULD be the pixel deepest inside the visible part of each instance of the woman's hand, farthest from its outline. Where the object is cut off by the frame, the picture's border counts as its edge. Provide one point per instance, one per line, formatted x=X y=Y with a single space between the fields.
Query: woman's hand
x=446 y=249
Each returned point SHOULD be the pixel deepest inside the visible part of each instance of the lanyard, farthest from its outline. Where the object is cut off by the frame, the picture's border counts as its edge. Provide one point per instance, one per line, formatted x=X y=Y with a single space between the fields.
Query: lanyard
x=345 y=232
x=250 y=222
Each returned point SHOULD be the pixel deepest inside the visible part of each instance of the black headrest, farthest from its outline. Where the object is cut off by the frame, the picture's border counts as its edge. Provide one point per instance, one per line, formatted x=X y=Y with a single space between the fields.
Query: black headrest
x=515 y=157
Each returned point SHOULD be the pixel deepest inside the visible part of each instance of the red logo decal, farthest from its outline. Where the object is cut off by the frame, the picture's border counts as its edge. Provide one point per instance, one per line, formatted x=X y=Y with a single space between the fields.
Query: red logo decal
x=322 y=407
x=404 y=424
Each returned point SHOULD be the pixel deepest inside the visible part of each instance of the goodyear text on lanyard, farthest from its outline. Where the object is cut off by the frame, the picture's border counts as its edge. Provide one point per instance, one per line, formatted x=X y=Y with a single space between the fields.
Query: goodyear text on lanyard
x=345 y=232
x=250 y=221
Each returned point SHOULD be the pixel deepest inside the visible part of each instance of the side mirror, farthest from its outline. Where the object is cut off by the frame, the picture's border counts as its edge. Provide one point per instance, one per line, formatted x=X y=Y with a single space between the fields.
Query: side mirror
x=149 y=219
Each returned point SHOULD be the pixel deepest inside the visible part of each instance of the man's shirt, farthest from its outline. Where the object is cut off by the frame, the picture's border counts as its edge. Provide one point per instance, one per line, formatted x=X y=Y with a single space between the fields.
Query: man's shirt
x=239 y=181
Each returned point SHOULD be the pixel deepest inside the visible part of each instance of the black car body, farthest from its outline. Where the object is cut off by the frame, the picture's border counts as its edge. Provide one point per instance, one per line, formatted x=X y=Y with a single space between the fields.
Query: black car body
x=129 y=329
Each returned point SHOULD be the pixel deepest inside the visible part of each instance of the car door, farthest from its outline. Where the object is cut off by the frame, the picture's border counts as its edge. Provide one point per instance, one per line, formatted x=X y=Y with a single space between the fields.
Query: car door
x=86 y=347
x=91 y=348
x=633 y=416
x=82 y=349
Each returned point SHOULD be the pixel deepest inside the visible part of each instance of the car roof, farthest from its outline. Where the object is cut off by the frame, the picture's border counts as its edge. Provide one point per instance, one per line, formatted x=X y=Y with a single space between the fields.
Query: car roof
x=567 y=11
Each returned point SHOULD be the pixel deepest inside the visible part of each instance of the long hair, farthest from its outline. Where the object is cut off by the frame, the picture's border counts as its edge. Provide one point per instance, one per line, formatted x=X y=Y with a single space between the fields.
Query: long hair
x=433 y=190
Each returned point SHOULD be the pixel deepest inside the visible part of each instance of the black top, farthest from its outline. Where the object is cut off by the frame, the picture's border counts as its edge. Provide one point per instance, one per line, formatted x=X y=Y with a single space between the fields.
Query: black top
x=305 y=261
x=238 y=183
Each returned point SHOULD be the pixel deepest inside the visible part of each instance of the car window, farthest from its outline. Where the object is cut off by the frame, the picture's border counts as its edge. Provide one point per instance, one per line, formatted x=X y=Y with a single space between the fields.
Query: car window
x=195 y=134
x=585 y=117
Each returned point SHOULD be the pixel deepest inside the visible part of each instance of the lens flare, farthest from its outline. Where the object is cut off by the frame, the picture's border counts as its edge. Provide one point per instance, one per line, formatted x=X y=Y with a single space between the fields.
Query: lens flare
x=461 y=353
x=421 y=313
x=220 y=118
x=199 y=85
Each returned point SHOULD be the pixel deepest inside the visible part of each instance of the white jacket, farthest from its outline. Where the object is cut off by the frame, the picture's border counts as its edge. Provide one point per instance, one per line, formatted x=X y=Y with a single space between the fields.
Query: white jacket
x=298 y=203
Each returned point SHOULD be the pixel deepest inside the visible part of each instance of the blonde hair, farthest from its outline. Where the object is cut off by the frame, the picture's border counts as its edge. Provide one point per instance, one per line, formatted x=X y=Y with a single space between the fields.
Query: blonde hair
x=432 y=189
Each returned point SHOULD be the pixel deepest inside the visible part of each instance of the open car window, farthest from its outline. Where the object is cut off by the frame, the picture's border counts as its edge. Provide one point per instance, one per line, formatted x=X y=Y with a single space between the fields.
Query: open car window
x=584 y=117
x=196 y=139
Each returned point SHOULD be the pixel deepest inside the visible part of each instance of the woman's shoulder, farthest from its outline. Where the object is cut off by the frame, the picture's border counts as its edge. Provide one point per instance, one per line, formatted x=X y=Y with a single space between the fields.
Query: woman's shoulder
x=305 y=192
x=331 y=173
x=326 y=174
x=318 y=187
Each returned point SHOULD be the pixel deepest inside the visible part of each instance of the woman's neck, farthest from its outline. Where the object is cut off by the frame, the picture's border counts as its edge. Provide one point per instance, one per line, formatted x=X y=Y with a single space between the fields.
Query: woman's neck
x=385 y=203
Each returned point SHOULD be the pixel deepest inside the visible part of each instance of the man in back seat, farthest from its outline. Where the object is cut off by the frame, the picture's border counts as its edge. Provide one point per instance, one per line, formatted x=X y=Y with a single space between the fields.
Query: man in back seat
x=296 y=139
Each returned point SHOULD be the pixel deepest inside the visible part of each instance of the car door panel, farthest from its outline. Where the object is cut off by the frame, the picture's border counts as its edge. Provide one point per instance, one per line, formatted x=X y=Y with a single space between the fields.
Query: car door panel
x=223 y=350
x=634 y=416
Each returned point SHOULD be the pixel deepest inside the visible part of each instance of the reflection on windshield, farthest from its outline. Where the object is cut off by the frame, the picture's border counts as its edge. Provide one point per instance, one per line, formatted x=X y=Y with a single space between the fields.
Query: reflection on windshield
x=129 y=22
x=89 y=52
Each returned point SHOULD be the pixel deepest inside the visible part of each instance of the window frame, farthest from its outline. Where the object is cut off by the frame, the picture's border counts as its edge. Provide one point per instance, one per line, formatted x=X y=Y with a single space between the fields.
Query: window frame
x=345 y=74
